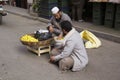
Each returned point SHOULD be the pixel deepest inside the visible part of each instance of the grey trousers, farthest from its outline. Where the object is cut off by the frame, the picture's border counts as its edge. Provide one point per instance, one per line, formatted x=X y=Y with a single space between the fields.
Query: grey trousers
x=65 y=63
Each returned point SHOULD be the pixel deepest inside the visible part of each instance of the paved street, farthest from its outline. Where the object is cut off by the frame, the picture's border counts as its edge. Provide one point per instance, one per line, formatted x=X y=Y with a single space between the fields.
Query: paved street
x=17 y=63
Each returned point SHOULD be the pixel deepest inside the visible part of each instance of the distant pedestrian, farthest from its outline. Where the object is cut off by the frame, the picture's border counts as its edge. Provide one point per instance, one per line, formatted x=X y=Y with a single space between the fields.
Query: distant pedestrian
x=77 y=9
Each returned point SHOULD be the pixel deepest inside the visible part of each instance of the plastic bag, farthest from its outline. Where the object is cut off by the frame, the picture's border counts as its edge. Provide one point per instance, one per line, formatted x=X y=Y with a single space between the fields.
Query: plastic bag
x=42 y=36
x=92 y=40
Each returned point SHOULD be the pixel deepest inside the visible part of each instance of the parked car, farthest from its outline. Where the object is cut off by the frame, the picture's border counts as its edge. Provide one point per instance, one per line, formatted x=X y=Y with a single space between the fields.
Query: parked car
x=2 y=12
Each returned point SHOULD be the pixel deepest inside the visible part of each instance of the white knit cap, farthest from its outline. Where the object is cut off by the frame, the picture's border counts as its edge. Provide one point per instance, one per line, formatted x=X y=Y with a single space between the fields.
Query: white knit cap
x=55 y=10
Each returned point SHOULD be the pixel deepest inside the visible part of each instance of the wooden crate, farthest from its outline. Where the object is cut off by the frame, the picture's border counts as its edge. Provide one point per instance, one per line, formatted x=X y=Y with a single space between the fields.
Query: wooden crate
x=98 y=13
x=117 y=25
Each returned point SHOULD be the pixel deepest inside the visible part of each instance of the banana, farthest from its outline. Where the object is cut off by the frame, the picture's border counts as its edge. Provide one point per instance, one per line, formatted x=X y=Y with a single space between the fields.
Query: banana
x=28 y=38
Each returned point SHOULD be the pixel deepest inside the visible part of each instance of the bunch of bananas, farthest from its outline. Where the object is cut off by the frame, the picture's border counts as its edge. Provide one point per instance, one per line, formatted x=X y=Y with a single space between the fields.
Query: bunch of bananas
x=28 y=38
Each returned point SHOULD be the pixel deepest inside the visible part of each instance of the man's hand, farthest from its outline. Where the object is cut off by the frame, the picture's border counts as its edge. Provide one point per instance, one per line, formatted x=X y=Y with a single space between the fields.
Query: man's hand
x=51 y=29
x=60 y=37
x=52 y=58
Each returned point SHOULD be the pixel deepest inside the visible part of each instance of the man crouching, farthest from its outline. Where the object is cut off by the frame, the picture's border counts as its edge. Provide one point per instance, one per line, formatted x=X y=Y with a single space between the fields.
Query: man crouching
x=72 y=54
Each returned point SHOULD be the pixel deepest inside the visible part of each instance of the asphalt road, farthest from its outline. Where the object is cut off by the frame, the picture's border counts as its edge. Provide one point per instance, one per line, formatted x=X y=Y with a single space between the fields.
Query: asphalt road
x=17 y=63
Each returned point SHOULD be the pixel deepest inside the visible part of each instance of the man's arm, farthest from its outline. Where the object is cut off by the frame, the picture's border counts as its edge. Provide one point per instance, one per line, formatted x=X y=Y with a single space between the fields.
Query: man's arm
x=66 y=17
x=69 y=46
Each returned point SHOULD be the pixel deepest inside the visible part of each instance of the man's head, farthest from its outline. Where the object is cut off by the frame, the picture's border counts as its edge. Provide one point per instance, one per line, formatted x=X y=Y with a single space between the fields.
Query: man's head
x=66 y=27
x=56 y=13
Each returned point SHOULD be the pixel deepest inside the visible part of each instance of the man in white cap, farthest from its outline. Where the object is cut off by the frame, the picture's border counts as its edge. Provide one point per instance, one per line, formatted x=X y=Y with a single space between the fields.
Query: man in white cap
x=57 y=18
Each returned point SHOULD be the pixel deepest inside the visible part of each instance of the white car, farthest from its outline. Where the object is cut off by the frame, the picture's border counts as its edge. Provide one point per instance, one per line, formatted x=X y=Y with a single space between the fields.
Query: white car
x=2 y=13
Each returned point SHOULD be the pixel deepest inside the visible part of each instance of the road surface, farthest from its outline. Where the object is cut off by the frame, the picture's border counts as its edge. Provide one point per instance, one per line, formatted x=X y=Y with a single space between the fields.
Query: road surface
x=17 y=63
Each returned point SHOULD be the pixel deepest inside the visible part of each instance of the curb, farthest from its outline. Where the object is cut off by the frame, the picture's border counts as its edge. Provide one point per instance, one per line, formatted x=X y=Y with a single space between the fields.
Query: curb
x=103 y=35
x=29 y=17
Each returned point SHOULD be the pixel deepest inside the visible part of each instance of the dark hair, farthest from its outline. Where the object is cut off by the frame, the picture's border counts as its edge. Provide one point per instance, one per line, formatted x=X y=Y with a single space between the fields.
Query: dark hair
x=66 y=25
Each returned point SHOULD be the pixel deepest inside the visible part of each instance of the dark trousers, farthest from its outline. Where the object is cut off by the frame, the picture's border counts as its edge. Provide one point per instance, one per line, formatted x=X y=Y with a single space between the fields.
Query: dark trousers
x=77 y=9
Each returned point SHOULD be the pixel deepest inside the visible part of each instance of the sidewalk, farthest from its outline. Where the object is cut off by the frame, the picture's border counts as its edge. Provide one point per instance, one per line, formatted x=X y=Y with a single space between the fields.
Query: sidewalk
x=100 y=31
